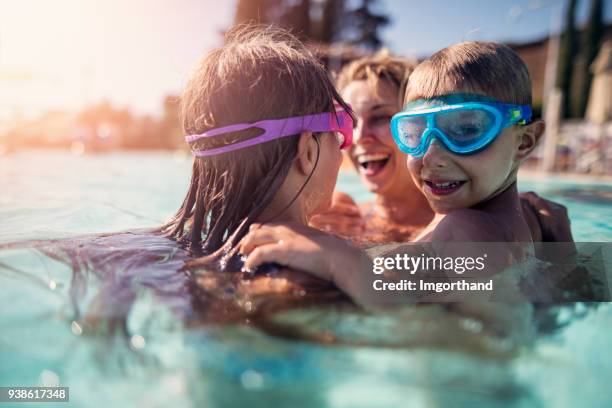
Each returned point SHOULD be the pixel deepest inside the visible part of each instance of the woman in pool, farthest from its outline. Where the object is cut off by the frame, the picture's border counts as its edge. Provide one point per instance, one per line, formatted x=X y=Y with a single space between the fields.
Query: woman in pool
x=374 y=87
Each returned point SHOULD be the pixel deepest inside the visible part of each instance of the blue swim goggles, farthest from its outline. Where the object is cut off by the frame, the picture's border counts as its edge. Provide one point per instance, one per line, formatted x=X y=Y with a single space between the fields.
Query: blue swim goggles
x=464 y=123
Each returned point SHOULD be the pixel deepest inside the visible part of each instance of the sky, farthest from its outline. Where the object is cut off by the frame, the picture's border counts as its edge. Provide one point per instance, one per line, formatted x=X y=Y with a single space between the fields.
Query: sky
x=66 y=54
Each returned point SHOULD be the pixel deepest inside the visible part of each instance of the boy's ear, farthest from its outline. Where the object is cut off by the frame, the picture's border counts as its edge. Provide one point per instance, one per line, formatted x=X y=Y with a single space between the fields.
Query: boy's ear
x=307 y=153
x=529 y=138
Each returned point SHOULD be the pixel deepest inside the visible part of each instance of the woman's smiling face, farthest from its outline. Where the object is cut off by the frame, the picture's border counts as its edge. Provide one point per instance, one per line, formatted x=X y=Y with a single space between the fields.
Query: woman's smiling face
x=381 y=165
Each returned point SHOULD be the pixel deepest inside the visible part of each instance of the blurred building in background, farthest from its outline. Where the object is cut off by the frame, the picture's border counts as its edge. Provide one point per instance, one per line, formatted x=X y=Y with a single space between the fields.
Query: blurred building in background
x=574 y=141
x=570 y=70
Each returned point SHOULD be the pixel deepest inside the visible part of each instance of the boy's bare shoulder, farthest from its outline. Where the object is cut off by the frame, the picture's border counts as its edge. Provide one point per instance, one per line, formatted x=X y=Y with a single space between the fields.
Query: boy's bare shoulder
x=470 y=225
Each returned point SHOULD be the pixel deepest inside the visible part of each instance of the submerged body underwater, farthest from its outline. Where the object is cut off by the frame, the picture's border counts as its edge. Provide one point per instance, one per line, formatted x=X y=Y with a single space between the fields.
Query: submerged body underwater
x=114 y=316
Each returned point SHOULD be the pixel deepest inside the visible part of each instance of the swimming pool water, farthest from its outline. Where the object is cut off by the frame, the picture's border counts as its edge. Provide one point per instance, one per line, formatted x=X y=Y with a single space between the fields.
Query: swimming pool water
x=49 y=194
x=156 y=359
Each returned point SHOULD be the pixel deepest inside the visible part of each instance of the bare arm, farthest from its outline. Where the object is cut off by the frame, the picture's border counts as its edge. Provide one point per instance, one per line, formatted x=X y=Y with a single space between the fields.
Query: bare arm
x=350 y=268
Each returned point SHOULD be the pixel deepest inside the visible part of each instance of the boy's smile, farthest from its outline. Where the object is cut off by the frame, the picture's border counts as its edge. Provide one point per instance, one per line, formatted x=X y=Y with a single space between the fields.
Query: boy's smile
x=443 y=187
x=451 y=181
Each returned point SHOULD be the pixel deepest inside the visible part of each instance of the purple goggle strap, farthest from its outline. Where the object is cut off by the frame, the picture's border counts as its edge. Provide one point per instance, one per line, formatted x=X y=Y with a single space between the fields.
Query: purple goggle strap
x=274 y=129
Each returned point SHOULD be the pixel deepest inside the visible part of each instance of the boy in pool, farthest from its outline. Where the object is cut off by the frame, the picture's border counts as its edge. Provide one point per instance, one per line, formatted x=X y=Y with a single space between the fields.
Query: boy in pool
x=466 y=127
x=374 y=86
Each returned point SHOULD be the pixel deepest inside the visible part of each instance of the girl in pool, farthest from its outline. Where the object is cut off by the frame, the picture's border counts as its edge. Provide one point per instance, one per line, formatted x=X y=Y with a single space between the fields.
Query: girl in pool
x=374 y=87
x=266 y=127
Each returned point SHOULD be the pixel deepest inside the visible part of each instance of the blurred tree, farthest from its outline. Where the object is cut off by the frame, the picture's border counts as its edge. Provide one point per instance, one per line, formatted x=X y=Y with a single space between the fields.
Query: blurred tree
x=591 y=43
x=254 y=11
x=321 y=21
x=121 y=121
x=367 y=24
x=297 y=19
x=169 y=124
x=566 y=57
x=292 y=15
x=331 y=23
x=149 y=134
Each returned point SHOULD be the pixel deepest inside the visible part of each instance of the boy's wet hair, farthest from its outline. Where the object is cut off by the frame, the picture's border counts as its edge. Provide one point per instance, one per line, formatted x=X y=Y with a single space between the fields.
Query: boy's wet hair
x=260 y=73
x=477 y=67
x=376 y=69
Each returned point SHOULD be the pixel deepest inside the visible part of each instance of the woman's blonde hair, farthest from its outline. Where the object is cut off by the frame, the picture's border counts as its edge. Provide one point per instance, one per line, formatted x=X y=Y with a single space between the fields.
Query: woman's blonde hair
x=260 y=73
x=378 y=68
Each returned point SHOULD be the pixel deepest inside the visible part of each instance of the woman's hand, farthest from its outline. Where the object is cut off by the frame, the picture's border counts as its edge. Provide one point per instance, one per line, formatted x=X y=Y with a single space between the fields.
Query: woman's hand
x=552 y=218
x=308 y=250
x=343 y=218
x=548 y=222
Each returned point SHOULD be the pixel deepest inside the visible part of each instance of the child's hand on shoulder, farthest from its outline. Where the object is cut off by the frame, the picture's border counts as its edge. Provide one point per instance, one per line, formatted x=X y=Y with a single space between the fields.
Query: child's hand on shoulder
x=309 y=250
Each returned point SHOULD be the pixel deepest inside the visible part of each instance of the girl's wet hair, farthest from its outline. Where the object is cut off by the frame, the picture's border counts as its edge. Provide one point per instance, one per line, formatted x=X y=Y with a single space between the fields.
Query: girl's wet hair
x=477 y=67
x=260 y=73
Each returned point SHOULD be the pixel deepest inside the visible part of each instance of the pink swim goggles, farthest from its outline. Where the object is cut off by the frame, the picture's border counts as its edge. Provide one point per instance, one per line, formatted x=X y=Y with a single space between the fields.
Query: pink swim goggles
x=340 y=121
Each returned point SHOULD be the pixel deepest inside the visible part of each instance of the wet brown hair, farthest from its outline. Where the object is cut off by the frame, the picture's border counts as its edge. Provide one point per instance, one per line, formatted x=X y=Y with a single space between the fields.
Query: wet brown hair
x=260 y=73
x=378 y=68
x=480 y=67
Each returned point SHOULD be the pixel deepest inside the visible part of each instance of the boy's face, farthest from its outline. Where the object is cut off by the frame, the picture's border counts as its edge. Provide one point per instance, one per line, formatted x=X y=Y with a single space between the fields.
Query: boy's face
x=451 y=181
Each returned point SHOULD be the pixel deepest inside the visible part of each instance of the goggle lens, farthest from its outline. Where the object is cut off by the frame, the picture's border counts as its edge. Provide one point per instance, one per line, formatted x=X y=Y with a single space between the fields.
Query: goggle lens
x=465 y=127
x=410 y=130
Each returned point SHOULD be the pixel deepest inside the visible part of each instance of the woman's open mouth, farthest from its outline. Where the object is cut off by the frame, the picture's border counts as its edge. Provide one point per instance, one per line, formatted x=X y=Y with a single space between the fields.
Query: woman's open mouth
x=444 y=187
x=372 y=164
